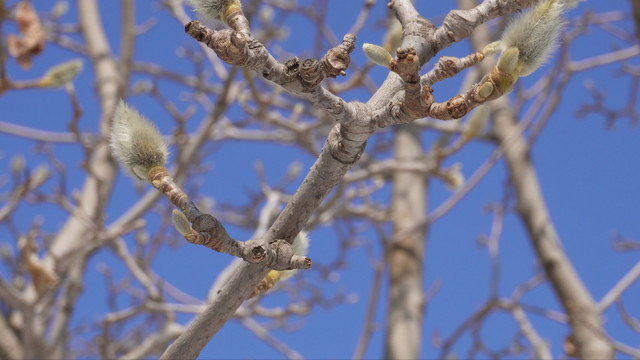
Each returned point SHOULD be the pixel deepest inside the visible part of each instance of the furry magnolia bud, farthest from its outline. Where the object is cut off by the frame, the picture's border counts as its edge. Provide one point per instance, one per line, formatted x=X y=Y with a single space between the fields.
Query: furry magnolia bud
x=215 y=9
x=61 y=74
x=136 y=142
x=229 y=11
x=535 y=34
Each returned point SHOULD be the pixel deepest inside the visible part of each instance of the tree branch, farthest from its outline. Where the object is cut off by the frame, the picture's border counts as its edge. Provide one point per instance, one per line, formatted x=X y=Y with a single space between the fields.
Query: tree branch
x=101 y=173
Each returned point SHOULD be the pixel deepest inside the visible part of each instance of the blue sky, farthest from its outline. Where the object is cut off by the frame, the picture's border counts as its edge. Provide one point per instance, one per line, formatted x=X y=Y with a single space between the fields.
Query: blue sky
x=589 y=175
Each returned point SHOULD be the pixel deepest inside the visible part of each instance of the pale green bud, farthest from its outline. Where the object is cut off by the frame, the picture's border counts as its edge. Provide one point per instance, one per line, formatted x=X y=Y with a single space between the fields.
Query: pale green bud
x=180 y=222
x=17 y=164
x=492 y=48
x=477 y=122
x=294 y=169
x=136 y=142
x=142 y=237
x=5 y=252
x=377 y=54
x=485 y=90
x=509 y=60
x=61 y=74
x=40 y=174
x=266 y=14
x=60 y=9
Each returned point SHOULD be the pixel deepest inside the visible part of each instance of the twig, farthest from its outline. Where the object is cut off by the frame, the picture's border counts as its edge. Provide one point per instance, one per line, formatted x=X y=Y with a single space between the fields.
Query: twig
x=263 y=334
x=540 y=347
x=617 y=290
x=42 y=135
x=369 y=326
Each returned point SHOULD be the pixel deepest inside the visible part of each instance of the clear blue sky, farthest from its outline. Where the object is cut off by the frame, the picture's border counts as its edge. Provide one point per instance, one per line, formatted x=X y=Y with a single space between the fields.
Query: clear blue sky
x=590 y=177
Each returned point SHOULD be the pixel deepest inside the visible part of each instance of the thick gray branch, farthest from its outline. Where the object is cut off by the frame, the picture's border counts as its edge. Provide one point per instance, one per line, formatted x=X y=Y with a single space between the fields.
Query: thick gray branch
x=405 y=312
x=341 y=150
x=587 y=329
x=10 y=346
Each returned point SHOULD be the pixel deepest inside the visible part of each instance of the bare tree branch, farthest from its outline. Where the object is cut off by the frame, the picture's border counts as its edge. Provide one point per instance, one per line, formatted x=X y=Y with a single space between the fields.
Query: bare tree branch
x=407 y=301
x=251 y=88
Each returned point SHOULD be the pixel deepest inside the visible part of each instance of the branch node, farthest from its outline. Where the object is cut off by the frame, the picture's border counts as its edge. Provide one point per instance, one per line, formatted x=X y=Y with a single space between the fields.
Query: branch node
x=258 y=254
x=231 y=46
x=337 y=59
x=406 y=65
x=310 y=73
x=457 y=107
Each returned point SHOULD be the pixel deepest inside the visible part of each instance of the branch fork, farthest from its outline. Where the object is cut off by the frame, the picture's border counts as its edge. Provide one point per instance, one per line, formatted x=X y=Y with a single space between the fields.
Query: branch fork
x=301 y=78
x=417 y=100
x=237 y=48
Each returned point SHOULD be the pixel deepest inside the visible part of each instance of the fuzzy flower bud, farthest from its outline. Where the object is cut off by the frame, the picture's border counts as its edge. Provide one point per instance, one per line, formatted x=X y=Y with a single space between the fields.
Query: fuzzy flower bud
x=477 y=122
x=535 y=35
x=213 y=9
x=136 y=142
x=229 y=11
x=61 y=74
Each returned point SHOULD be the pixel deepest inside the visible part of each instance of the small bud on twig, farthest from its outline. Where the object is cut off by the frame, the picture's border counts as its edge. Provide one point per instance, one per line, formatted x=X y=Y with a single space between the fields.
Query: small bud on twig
x=477 y=122
x=17 y=164
x=535 y=34
x=136 y=142
x=180 y=222
x=61 y=74
x=377 y=54
x=229 y=11
x=452 y=177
